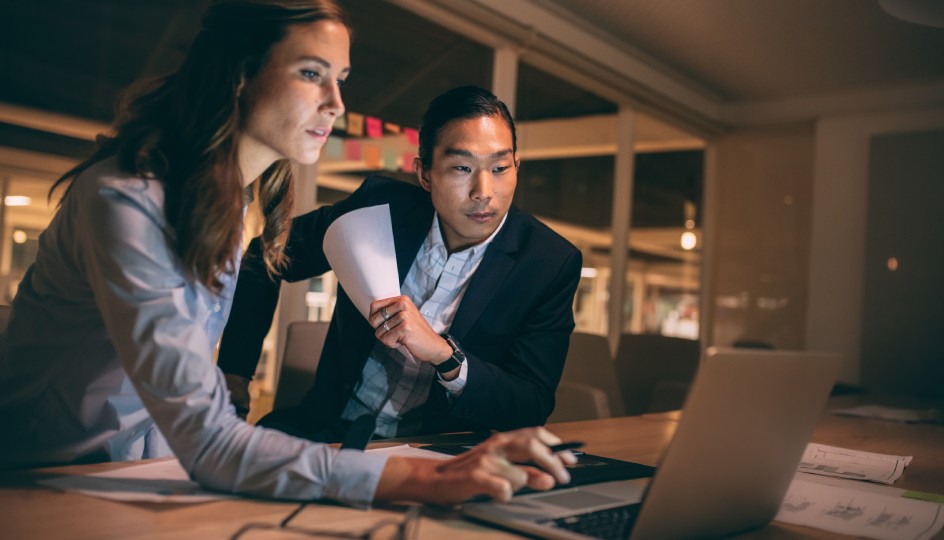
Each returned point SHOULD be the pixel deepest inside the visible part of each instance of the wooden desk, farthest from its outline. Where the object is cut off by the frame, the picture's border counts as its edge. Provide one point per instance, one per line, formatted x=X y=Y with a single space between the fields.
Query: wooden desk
x=28 y=511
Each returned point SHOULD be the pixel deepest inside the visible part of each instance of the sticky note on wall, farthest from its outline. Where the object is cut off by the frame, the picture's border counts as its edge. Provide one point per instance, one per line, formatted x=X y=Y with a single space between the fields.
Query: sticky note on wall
x=372 y=156
x=374 y=129
x=355 y=124
x=334 y=148
x=352 y=149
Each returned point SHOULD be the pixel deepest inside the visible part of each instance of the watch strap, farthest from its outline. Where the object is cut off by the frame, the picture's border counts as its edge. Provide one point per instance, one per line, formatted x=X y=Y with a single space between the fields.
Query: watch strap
x=453 y=361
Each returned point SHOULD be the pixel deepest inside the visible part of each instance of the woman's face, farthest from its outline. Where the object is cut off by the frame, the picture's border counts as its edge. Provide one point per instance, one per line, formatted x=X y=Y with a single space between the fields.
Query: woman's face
x=292 y=102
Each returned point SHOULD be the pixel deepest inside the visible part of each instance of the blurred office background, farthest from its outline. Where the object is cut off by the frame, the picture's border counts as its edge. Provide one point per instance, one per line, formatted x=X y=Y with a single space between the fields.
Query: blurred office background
x=761 y=173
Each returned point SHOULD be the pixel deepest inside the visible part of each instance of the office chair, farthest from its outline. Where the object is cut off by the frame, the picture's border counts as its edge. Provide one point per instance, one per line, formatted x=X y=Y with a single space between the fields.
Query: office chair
x=655 y=371
x=588 y=388
x=303 y=343
x=4 y=317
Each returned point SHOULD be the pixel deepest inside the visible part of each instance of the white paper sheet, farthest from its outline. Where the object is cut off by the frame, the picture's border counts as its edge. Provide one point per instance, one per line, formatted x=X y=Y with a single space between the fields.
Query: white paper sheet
x=160 y=482
x=359 y=245
x=879 y=512
x=852 y=464
x=406 y=450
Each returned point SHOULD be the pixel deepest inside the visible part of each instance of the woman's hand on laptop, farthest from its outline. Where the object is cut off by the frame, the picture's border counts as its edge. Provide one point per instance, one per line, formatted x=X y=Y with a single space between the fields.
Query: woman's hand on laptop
x=491 y=468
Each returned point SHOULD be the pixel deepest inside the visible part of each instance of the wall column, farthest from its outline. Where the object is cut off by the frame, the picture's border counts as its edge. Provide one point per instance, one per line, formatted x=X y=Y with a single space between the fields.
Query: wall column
x=4 y=259
x=622 y=217
x=505 y=76
x=292 y=304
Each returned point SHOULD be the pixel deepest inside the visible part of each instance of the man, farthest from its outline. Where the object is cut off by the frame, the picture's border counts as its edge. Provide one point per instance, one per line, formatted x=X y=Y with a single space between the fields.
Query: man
x=486 y=309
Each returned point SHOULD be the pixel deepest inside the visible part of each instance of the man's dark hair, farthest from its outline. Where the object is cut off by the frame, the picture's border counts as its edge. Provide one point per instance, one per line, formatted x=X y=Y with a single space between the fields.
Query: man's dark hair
x=460 y=103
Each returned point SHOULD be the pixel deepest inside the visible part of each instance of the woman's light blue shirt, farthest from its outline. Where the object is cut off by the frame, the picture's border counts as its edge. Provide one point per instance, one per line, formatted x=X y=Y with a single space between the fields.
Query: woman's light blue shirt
x=108 y=356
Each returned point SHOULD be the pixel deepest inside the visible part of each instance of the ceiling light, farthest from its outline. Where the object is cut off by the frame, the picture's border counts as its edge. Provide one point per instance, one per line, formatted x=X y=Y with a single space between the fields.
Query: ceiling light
x=689 y=240
x=19 y=237
x=17 y=200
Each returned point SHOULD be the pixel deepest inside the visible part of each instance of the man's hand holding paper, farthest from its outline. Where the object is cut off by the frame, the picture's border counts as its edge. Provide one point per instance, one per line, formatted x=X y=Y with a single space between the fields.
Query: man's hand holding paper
x=398 y=322
x=360 y=247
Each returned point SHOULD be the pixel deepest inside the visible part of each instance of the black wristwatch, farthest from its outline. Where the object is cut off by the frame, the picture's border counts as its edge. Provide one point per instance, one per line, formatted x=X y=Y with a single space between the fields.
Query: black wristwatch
x=454 y=361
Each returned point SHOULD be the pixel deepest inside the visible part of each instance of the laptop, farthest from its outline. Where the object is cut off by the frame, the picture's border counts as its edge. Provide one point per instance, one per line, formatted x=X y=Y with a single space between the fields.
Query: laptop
x=744 y=426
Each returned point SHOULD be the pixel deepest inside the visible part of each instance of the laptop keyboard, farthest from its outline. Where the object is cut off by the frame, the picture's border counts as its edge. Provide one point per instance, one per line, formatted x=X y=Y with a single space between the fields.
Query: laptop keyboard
x=609 y=523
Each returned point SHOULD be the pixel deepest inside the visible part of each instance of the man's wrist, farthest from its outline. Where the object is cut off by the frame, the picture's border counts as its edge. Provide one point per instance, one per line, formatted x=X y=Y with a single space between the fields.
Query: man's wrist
x=455 y=359
x=446 y=353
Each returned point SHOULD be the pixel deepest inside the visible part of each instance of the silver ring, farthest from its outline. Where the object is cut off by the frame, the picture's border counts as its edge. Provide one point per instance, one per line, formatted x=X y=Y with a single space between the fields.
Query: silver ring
x=384 y=314
x=385 y=327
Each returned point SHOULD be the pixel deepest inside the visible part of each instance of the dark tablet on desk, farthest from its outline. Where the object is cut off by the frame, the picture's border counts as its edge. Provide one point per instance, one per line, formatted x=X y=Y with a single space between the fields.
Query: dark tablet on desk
x=589 y=469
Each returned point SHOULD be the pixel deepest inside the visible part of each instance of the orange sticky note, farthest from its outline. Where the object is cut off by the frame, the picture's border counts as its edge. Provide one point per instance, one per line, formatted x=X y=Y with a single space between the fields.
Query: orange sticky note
x=372 y=156
x=355 y=124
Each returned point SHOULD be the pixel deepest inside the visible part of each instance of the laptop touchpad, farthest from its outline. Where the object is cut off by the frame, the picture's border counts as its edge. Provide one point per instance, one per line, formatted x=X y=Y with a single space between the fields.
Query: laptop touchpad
x=577 y=499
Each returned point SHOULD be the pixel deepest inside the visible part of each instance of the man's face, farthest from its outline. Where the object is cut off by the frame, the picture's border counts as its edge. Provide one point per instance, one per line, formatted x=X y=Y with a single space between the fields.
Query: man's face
x=472 y=179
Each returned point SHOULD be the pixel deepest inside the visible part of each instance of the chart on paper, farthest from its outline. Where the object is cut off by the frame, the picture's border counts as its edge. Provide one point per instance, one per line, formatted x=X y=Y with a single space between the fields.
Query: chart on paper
x=852 y=464
x=870 y=514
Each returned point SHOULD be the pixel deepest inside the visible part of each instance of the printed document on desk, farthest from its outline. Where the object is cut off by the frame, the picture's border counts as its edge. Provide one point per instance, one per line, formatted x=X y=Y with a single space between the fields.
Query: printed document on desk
x=859 y=509
x=852 y=464
x=163 y=481
x=896 y=414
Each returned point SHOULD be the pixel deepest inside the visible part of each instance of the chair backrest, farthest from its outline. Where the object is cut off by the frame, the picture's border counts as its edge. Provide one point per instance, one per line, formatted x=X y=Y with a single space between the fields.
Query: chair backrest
x=303 y=343
x=655 y=371
x=589 y=366
x=4 y=317
x=576 y=401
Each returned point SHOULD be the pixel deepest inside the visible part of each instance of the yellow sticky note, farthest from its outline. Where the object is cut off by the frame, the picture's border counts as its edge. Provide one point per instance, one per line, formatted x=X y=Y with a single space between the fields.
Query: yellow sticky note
x=355 y=124
x=930 y=497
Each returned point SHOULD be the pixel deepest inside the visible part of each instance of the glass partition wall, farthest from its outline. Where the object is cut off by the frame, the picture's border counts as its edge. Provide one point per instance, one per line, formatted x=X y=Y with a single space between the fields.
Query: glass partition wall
x=581 y=174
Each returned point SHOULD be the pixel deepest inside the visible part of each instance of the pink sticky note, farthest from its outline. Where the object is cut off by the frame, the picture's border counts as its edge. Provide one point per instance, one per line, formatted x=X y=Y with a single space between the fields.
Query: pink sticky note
x=412 y=135
x=407 y=165
x=374 y=127
x=352 y=150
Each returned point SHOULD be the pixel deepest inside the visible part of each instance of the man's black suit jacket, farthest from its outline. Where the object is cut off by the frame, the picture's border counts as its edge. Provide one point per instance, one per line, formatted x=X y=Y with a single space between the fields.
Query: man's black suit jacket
x=514 y=321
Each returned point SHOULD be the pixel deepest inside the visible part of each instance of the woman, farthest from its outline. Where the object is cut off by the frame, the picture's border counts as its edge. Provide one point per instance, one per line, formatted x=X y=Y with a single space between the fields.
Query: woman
x=108 y=354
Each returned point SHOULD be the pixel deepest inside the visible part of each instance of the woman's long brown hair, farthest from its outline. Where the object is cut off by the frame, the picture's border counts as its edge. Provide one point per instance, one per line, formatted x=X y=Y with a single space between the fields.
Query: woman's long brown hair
x=184 y=129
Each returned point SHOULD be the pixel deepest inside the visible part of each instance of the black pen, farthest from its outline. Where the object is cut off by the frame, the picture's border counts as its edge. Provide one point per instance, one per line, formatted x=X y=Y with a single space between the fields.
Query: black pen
x=565 y=446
